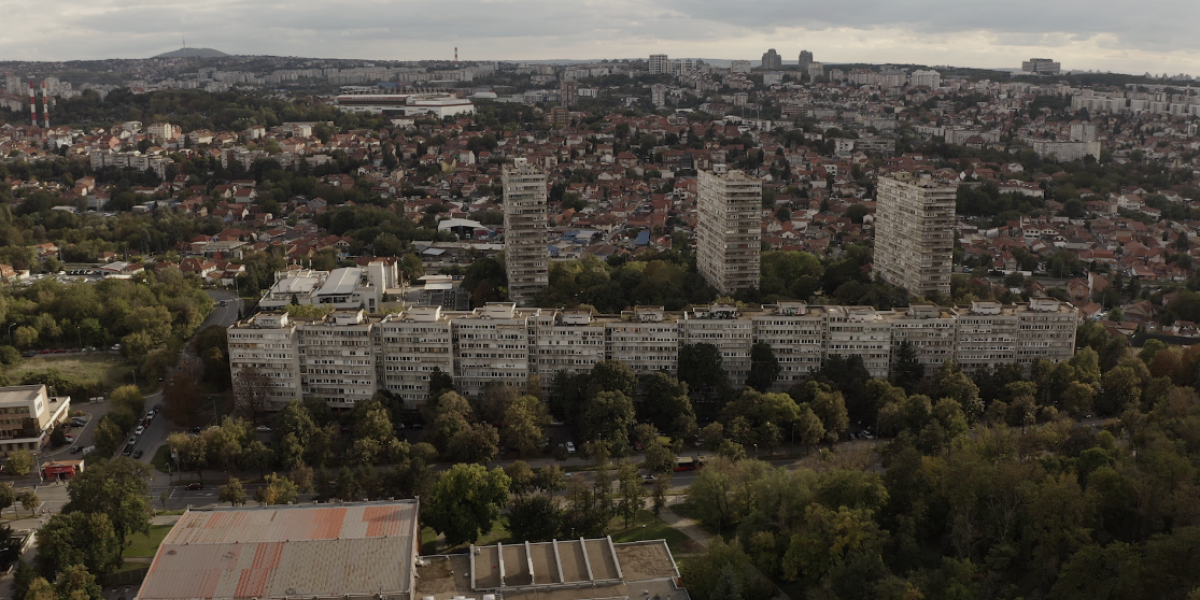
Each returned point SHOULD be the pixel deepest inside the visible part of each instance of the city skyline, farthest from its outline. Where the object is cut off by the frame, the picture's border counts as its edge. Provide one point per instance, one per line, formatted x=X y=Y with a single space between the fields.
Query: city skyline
x=933 y=32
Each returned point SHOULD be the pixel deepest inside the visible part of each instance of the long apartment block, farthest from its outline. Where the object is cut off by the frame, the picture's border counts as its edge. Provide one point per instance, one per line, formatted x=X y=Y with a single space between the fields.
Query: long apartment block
x=349 y=355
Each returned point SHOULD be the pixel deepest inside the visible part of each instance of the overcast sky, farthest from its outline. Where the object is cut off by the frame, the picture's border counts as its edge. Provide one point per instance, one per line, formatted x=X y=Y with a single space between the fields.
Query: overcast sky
x=1131 y=37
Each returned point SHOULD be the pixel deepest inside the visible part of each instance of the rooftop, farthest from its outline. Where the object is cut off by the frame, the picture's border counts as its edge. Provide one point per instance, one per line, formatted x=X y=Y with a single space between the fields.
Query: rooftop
x=307 y=551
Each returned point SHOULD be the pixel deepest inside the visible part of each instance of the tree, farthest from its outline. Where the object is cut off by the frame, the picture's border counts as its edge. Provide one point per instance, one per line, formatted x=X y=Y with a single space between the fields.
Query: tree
x=466 y=501
x=232 y=492
x=534 y=518
x=764 y=367
x=19 y=463
x=703 y=574
x=87 y=539
x=478 y=443
x=909 y=371
x=662 y=486
x=252 y=393
x=612 y=376
x=108 y=437
x=8 y=496
x=700 y=368
x=608 y=418
x=29 y=500
x=666 y=404
x=629 y=486
x=525 y=423
x=522 y=478
x=279 y=490
x=551 y=478
x=76 y=583
x=830 y=409
x=292 y=432
x=40 y=589
x=182 y=400
x=23 y=578
x=116 y=488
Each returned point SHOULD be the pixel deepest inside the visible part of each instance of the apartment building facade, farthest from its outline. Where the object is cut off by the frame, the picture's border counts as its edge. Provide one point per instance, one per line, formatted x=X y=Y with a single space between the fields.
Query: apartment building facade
x=729 y=230
x=914 y=234
x=526 y=253
x=347 y=356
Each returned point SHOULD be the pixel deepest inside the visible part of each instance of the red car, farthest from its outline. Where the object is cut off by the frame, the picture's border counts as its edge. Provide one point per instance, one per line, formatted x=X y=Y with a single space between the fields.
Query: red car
x=194 y=486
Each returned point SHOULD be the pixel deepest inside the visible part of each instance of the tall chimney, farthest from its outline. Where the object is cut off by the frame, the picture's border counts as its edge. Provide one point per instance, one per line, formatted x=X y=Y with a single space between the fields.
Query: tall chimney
x=45 y=105
x=32 y=104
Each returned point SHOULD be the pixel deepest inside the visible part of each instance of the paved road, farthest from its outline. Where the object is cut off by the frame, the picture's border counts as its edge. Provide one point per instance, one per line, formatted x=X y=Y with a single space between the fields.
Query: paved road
x=156 y=434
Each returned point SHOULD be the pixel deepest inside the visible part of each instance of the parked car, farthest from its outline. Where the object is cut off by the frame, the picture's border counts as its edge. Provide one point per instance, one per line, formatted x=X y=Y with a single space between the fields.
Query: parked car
x=571 y=447
x=76 y=449
x=194 y=486
x=139 y=431
x=263 y=428
x=556 y=423
x=127 y=451
x=137 y=454
x=133 y=440
x=649 y=479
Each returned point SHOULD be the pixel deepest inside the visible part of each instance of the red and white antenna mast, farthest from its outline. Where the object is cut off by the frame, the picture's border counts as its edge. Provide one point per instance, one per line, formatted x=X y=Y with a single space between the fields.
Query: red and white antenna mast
x=32 y=104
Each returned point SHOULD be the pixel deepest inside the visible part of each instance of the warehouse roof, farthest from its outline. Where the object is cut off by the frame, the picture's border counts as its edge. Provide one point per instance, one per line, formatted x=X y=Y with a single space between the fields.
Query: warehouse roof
x=356 y=550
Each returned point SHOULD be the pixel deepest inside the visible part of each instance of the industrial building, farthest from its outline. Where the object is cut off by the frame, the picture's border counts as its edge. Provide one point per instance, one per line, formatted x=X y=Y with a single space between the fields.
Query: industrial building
x=729 y=230
x=359 y=551
x=526 y=248
x=404 y=105
x=914 y=234
x=370 y=551
x=348 y=356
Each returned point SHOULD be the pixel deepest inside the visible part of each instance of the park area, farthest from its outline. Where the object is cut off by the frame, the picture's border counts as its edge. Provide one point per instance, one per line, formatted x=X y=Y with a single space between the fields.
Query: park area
x=106 y=370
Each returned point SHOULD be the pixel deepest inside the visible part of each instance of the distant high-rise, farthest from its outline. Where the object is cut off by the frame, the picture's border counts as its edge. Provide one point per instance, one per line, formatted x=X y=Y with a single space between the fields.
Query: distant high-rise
x=659 y=64
x=729 y=230
x=658 y=95
x=806 y=58
x=1041 y=66
x=771 y=60
x=526 y=254
x=914 y=234
x=568 y=93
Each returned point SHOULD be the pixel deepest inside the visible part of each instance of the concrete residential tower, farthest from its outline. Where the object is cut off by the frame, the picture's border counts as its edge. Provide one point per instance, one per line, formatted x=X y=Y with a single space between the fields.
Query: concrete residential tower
x=914 y=234
x=526 y=255
x=729 y=230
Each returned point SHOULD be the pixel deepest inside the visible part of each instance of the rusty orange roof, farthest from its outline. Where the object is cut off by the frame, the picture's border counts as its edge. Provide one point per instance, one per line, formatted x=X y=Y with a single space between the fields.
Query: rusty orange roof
x=287 y=551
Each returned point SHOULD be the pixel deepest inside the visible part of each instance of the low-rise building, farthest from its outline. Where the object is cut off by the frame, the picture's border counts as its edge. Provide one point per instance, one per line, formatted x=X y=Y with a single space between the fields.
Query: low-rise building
x=28 y=414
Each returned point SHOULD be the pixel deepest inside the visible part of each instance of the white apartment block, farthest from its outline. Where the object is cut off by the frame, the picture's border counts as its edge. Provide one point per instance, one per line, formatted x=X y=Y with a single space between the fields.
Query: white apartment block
x=337 y=358
x=411 y=346
x=930 y=330
x=729 y=230
x=526 y=253
x=722 y=326
x=348 y=356
x=570 y=341
x=491 y=345
x=658 y=64
x=267 y=342
x=646 y=339
x=796 y=332
x=914 y=234
x=860 y=331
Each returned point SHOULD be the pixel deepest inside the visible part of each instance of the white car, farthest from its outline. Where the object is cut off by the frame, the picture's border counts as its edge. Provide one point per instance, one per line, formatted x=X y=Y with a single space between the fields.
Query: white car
x=139 y=430
x=571 y=447
x=263 y=428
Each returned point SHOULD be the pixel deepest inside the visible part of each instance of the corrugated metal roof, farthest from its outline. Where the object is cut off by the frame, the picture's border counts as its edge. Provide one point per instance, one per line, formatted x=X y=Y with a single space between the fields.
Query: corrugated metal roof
x=296 y=551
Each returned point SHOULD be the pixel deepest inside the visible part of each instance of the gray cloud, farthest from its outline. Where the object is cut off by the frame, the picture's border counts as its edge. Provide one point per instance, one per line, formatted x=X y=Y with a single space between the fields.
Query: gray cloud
x=1099 y=34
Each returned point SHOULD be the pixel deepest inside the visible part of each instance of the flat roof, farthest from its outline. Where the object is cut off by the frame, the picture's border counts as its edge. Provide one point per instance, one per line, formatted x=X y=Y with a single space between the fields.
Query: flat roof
x=341 y=282
x=20 y=394
x=301 y=551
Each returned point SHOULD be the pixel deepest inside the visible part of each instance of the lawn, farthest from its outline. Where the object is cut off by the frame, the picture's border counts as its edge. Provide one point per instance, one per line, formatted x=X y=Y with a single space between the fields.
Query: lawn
x=144 y=545
x=646 y=527
x=161 y=457
x=108 y=368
